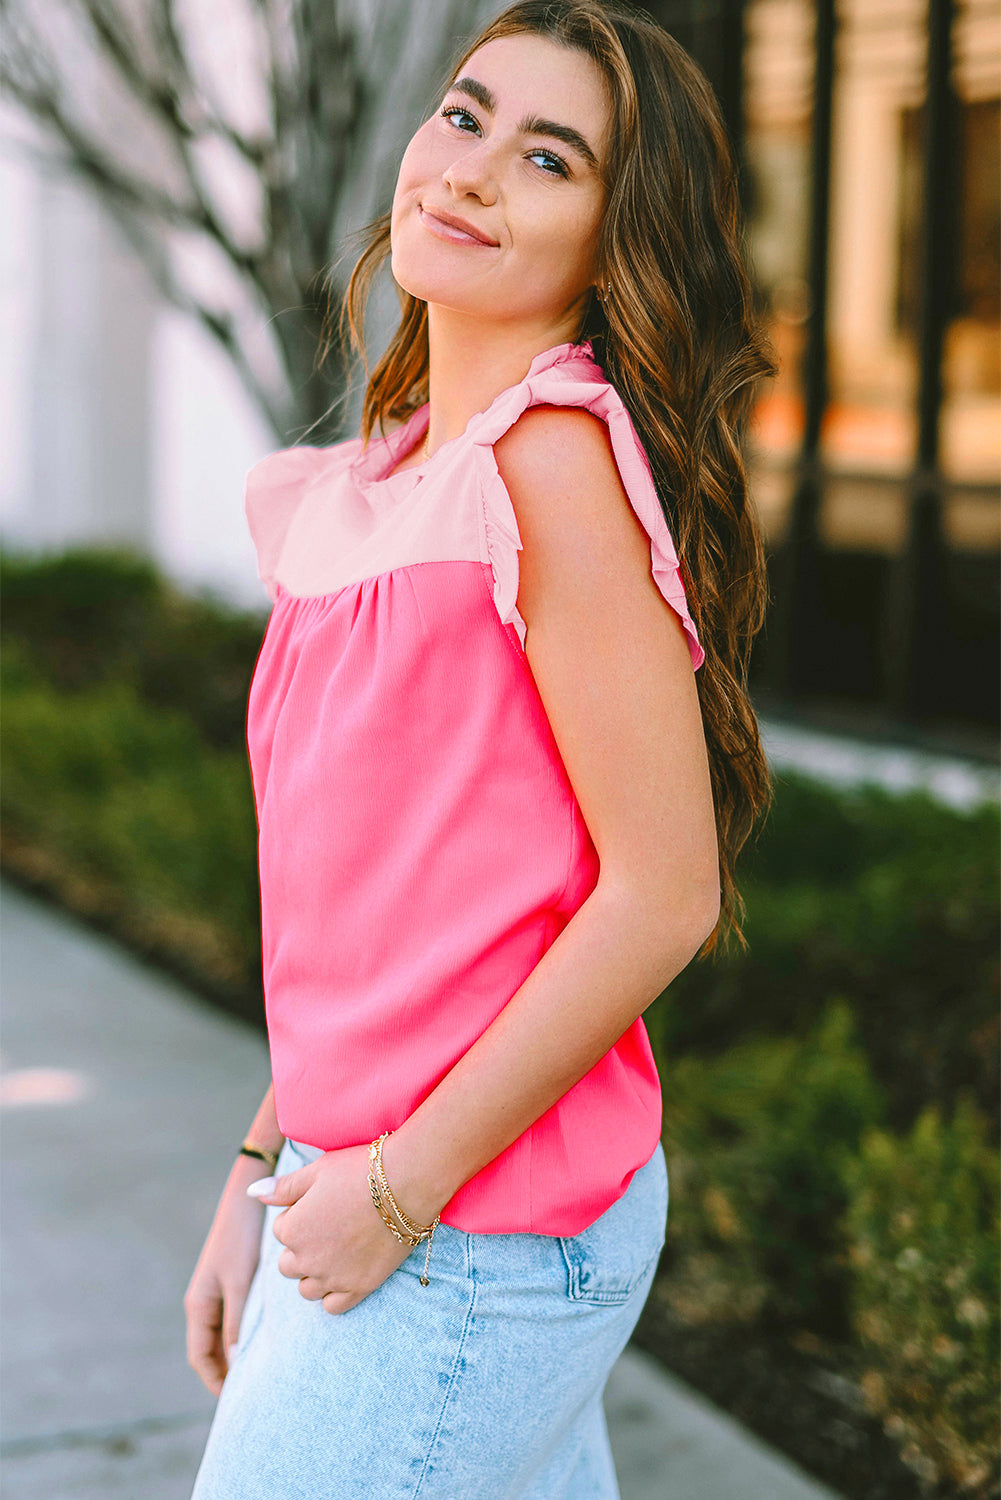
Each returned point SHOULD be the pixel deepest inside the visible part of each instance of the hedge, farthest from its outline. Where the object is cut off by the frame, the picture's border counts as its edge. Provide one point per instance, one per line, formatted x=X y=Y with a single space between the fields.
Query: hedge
x=830 y=1095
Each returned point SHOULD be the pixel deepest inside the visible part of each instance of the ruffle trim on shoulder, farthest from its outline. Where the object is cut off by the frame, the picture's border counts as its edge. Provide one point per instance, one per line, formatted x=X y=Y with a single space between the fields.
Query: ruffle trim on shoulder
x=573 y=379
x=273 y=489
x=503 y=541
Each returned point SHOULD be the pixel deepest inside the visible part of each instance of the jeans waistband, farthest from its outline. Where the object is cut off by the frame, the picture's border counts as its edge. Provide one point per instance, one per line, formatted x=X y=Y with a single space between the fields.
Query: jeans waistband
x=308 y=1153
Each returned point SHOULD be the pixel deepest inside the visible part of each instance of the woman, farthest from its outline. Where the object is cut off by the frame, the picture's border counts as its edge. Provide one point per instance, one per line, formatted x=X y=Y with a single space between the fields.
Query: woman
x=498 y=810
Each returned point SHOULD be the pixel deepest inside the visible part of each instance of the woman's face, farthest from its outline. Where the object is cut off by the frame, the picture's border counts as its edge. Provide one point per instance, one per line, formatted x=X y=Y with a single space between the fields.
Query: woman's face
x=500 y=196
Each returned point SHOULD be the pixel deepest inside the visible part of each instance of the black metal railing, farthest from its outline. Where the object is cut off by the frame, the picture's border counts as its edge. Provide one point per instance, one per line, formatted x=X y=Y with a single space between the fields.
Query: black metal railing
x=906 y=683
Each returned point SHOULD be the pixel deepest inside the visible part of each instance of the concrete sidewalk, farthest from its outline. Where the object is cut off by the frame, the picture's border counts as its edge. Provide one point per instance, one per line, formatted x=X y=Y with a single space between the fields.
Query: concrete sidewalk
x=123 y=1098
x=842 y=761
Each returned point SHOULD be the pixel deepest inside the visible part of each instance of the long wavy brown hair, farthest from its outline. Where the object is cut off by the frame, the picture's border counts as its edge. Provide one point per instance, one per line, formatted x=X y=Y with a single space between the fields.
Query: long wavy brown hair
x=678 y=338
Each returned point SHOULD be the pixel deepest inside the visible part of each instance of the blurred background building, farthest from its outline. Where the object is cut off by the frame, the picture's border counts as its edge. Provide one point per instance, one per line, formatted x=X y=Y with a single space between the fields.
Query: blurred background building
x=868 y=133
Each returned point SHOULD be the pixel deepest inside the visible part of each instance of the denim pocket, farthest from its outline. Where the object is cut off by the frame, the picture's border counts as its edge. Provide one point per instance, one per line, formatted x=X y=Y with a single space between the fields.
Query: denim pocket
x=608 y=1260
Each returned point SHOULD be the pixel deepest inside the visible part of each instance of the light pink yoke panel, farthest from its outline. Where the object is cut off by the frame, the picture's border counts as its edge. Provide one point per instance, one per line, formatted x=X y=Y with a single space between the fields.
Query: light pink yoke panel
x=420 y=844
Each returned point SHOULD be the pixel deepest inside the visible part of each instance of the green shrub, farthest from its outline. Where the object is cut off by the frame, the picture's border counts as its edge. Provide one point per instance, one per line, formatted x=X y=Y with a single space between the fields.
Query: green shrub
x=92 y=616
x=891 y=900
x=757 y=1140
x=129 y=801
x=80 y=614
x=922 y=1225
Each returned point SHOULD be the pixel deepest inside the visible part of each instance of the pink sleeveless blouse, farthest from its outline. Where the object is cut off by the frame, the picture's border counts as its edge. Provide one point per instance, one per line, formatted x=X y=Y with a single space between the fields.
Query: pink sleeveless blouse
x=420 y=844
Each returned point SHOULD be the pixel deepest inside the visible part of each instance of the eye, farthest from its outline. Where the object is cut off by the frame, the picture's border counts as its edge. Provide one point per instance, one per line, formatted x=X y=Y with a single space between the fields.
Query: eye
x=452 y=110
x=551 y=163
x=463 y=120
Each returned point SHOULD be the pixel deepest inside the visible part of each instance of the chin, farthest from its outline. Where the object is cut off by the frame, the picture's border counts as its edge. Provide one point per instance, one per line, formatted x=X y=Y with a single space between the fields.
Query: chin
x=411 y=270
x=427 y=284
x=417 y=286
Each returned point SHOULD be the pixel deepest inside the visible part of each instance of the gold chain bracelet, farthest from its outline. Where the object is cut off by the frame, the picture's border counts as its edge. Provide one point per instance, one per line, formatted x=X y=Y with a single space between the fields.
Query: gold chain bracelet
x=406 y=1230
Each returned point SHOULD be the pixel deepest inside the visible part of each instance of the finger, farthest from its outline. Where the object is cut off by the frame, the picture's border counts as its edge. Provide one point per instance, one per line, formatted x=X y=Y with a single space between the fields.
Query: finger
x=339 y=1302
x=206 y=1358
x=261 y=1188
x=278 y=1227
x=204 y=1341
x=290 y=1188
x=288 y=1265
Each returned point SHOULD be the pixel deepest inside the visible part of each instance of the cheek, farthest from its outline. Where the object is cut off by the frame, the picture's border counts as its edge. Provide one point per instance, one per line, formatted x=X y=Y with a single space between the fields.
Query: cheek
x=566 y=250
x=417 y=163
x=409 y=181
x=405 y=176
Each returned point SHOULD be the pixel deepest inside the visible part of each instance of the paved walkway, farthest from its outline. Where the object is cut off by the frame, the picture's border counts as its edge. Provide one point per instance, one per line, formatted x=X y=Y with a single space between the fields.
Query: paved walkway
x=123 y=1095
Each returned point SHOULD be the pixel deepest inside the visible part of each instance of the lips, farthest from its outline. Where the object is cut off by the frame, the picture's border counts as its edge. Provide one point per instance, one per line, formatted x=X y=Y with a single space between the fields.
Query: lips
x=441 y=222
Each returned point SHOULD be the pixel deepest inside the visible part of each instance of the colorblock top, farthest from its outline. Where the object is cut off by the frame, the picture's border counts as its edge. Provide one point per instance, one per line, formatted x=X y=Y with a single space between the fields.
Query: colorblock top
x=420 y=844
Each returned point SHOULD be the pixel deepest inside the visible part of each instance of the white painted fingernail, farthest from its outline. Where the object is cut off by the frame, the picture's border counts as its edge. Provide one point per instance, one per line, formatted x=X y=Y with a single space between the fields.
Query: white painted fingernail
x=262 y=1187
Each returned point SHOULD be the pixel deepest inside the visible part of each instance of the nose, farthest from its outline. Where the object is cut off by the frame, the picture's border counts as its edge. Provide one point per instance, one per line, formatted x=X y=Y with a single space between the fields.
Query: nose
x=473 y=173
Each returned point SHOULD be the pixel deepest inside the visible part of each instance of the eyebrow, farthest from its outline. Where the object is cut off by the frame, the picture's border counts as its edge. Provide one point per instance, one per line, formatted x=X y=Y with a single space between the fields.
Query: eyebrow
x=531 y=124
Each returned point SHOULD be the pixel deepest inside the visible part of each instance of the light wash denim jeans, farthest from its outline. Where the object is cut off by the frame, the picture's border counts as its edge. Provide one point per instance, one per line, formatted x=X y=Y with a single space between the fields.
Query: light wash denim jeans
x=485 y=1385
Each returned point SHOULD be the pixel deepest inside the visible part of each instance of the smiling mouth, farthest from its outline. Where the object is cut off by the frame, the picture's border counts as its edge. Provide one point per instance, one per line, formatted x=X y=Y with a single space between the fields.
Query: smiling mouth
x=453 y=230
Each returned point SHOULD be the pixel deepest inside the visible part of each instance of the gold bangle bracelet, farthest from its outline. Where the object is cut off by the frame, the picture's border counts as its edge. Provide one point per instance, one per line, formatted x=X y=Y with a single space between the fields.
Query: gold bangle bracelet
x=270 y=1158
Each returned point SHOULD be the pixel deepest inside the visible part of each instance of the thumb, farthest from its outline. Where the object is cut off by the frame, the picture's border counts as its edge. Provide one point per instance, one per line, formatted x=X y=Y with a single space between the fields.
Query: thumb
x=282 y=1191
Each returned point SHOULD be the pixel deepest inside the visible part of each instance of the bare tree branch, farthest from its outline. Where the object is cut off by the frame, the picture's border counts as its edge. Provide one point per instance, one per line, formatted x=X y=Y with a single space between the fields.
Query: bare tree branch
x=341 y=84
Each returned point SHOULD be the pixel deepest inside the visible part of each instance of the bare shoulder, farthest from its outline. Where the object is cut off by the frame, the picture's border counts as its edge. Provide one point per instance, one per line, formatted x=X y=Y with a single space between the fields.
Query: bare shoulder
x=576 y=522
x=566 y=447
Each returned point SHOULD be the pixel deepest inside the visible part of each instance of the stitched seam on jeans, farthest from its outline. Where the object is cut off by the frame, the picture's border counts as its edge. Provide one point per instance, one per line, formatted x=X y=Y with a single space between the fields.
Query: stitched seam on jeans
x=451 y=1385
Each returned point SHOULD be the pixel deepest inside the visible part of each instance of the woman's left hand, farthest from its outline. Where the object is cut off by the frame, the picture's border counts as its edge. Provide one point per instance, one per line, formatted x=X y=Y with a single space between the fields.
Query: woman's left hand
x=335 y=1241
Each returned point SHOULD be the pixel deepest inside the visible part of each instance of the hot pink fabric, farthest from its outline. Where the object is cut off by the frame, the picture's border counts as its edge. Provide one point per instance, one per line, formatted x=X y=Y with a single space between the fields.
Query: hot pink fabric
x=420 y=843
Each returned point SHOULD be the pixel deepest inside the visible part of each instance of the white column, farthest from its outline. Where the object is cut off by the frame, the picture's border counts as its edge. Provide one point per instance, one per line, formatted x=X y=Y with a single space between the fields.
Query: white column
x=84 y=314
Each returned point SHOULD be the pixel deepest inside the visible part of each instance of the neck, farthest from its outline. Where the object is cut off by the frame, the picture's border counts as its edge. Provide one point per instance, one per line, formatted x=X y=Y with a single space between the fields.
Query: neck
x=471 y=362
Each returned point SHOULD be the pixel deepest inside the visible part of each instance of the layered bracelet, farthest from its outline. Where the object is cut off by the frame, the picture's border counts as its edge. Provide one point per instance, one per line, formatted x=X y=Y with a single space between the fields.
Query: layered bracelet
x=406 y=1231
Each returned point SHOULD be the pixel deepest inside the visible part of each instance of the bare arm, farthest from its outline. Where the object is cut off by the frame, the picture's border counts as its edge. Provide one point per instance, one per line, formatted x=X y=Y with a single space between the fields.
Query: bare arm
x=264 y=1132
x=217 y=1291
x=612 y=665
